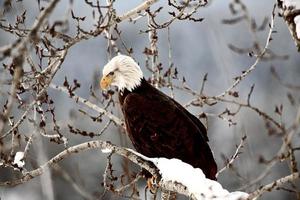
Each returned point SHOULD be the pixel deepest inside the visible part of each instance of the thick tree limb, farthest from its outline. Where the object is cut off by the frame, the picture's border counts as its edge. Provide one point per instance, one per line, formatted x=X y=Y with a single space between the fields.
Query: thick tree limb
x=107 y=146
x=98 y=144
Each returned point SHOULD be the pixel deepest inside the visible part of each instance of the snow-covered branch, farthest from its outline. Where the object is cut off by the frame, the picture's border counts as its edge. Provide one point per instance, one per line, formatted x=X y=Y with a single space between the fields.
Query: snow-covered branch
x=170 y=174
x=196 y=184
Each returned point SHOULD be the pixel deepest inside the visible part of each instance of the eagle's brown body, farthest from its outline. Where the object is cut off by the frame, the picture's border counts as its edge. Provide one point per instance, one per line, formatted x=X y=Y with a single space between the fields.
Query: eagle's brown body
x=158 y=126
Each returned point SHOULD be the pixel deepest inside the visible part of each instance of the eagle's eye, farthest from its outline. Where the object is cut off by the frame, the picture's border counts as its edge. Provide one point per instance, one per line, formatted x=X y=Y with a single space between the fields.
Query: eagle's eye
x=111 y=73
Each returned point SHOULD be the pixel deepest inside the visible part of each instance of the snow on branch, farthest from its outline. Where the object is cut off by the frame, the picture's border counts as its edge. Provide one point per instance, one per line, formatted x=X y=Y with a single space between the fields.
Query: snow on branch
x=197 y=185
x=290 y=10
x=18 y=160
x=170 y=174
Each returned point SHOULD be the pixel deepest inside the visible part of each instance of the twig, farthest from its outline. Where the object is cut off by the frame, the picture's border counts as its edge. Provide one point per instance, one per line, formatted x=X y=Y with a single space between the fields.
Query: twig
x=274 y=185
x=254 y=65
x=32 y=34
x=28 y=144
x=286 y=142
x=134 y=12
x=104 y=128
x=234 y=156
x=135 y=180
x=89 y=104
x=55 y=66
x=106 y=171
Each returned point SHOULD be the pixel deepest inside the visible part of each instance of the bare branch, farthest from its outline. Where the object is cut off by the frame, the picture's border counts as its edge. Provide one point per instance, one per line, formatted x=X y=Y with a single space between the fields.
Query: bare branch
x=234 y=156
x=137 y=10
x=274 y=185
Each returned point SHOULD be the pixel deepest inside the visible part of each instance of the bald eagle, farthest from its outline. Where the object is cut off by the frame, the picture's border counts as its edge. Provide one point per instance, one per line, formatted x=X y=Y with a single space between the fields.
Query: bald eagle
x=157 y=125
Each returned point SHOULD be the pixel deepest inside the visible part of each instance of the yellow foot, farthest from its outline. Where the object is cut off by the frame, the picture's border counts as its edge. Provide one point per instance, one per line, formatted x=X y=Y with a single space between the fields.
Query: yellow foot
x=151 y=185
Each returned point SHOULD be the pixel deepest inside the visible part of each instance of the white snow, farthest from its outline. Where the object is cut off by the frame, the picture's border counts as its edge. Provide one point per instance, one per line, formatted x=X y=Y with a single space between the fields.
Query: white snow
x=65 y=141
x=18 y=160
x=194 y=179
x=297 y=22
x=106 y=150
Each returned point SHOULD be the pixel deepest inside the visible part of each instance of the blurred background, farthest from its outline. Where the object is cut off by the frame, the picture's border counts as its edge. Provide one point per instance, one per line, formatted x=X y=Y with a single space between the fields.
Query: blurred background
x=197 y=48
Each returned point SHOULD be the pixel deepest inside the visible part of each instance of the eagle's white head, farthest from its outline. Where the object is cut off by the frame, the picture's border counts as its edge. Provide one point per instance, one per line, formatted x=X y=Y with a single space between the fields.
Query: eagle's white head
x=122 y=71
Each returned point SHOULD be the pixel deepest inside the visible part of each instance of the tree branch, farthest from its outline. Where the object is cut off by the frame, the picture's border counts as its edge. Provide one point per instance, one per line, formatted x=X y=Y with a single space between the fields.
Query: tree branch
x=274 y=185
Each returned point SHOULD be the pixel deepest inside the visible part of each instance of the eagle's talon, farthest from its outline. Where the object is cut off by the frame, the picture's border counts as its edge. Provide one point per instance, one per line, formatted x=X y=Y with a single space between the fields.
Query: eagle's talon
x=152 y=185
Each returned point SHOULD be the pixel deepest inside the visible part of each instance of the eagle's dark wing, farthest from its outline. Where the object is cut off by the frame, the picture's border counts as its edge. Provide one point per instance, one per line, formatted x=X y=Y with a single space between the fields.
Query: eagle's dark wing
x=160 y=127
x=192 y=117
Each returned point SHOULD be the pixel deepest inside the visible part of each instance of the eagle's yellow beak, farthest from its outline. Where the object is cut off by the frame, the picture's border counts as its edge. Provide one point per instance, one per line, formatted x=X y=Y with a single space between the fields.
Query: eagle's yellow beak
x=105 y=82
